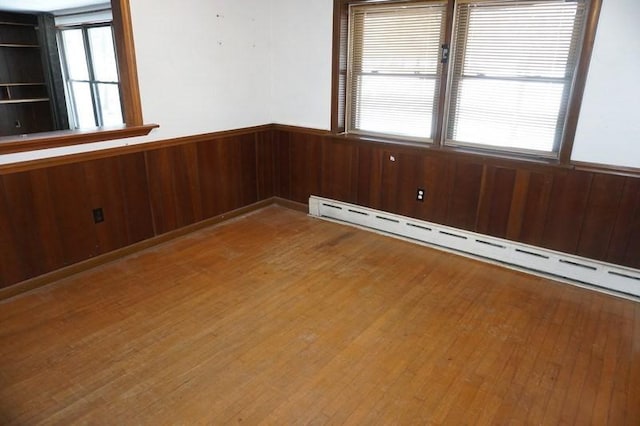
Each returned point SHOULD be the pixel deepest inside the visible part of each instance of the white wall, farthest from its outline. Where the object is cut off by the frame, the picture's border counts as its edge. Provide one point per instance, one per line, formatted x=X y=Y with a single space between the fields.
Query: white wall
x=301 y=62
x=609 y=125
x=203 y=66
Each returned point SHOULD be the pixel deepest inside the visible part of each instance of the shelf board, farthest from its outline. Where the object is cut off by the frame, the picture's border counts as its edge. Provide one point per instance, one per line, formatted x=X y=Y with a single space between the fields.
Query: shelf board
x=19 y=45
x=23 y=101
x=21 y=84
x=18 y=24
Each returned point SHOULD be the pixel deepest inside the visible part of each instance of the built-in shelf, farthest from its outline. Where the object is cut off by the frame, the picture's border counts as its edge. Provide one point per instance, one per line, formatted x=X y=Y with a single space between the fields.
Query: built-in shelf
x=17 y=24
x=21 y=84
x=20 y=101
x=19 y=45
x=15 y=93
x=28 y=101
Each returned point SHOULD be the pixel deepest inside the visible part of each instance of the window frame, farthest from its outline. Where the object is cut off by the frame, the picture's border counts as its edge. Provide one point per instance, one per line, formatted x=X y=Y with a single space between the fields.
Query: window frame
x=438 y=76
x=129 y=96
x=92 y=80
x=339 y=77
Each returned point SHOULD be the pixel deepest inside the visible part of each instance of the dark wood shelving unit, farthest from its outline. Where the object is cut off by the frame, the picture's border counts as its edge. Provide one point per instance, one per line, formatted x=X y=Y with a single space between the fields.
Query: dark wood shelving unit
x=25 y=92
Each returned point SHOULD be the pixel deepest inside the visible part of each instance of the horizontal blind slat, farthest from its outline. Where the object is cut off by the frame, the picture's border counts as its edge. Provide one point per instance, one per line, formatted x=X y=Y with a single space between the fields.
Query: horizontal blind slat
x=394 y=68
x=513 y=65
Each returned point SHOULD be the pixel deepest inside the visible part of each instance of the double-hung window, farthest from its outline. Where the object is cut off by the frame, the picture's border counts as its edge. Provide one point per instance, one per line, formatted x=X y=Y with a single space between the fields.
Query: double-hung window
x=480 y=74
x=91 y=74
x=395 y=72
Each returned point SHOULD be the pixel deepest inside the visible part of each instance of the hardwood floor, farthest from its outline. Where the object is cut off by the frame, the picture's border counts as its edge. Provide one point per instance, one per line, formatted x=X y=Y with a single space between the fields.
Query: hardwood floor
x=278 y=318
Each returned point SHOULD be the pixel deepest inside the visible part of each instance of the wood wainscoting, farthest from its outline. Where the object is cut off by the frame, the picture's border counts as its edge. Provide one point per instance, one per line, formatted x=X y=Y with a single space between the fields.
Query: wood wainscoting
x=592 y=213
x=46 y=207
x=148 y=190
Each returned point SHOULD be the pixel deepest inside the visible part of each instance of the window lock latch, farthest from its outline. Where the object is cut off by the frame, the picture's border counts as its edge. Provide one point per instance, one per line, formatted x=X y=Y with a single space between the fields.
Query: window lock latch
x=445 y=54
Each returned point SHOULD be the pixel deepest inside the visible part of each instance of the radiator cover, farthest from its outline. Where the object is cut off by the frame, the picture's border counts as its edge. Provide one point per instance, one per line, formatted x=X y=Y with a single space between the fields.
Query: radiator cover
x=605 y=277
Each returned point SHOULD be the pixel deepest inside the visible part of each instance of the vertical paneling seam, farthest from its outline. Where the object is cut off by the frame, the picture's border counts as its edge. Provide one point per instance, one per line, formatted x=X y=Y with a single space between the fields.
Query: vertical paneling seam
x=521 y=187
x=482 y=197
x=151 y=203
x=583 y=215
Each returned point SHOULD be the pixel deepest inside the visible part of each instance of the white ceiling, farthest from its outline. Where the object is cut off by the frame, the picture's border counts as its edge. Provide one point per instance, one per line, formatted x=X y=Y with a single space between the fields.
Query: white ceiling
x=45 y=5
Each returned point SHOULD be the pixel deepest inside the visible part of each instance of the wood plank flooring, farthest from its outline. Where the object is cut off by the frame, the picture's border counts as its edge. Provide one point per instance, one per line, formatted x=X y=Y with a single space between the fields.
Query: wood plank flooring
x=278 y=318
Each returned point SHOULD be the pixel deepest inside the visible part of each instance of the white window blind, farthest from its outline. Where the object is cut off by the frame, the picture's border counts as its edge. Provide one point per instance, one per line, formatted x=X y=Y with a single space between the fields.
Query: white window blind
x=512 y=71
x=394 y=68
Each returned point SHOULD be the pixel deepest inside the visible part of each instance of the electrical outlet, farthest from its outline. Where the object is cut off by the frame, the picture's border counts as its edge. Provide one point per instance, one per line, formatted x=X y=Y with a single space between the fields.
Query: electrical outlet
x=420 y=193
x=98 y=215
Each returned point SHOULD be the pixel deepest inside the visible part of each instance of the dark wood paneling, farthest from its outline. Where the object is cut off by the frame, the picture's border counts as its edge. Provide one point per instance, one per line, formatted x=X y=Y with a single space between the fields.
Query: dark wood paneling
x=624 y=246
x=73 y=212
x=464 y=195
x=590 y=213
x=33 y=219
x=135 y=190
x=534 y=214
x=13 y=240
x=174 y=187
x=46 y=211
x=304 y=165
x=370 y=176
x=246 y=173
x=49 y=214
x=410 y=172
x=265 y=165
x=339 y=171
x=435 y=178
x=112 y=233
x=283 y=169
x=213 y=163
x=408 y=178
x=518 y=203
x=390 y=186
x=495 y=201
x=118 y=185
x=600 y=215
x=632 y=256
x=566 y=212
x=227 y=174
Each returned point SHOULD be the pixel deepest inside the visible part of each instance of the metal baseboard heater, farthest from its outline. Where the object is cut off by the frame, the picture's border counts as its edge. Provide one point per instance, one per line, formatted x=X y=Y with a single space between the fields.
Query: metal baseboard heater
x=606 y=277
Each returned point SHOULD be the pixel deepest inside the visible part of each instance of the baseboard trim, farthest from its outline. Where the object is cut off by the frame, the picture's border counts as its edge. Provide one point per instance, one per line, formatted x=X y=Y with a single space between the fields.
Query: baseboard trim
x=43 y=280
x=293 y=205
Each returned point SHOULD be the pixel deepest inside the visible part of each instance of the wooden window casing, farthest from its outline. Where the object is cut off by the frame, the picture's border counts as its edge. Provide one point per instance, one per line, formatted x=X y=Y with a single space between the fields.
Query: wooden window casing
x=340 y=108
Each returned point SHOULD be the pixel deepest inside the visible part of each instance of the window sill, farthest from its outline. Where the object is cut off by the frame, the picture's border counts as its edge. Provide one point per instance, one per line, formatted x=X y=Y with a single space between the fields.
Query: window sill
x=484 y=155
x=35 y=141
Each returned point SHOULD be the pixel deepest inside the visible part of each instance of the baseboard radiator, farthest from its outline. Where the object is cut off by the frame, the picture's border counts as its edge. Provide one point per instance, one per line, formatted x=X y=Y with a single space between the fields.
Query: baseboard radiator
x=569 y=268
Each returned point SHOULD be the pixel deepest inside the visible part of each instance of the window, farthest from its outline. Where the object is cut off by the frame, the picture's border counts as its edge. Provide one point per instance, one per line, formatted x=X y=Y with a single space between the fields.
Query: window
x=91 y=74
x=130 y=95
x=395 y=68
x=481 y=74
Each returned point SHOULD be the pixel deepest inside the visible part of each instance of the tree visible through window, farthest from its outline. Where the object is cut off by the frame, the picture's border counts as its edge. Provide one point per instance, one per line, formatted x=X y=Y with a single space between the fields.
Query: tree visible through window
x=91 y=73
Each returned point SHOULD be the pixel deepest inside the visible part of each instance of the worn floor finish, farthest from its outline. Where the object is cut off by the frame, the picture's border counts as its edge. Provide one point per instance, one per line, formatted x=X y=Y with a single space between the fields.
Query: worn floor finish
x=280 y=318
